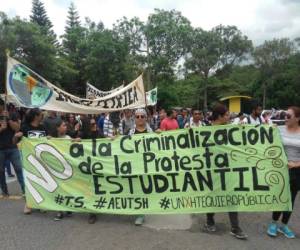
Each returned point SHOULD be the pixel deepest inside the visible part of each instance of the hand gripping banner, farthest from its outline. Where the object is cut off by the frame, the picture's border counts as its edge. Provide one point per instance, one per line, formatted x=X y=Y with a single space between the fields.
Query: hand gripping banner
x=207 y=169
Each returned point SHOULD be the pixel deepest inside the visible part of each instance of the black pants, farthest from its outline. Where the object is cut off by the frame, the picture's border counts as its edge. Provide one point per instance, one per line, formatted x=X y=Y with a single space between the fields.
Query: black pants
x=287 y=214
x=233 y=217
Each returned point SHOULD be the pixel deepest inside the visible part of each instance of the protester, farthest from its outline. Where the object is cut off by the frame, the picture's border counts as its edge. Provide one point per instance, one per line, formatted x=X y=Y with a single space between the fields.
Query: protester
x=73 y=126
x=9 y=125
x=127 y=122
x=161 y=116
x=254 y=117
x=31 y=128
x=8 y=168
x=50 y=121
x=100 y=123
x=183 y=118
x=112 y=125
x=90 y=131
x=239 y=119
x=153 y=118
x=61 y=132
x=196 y=119
x=290 y=134
x=220 y=116
x=266 y=118
x=141 y=127
x=170 y=122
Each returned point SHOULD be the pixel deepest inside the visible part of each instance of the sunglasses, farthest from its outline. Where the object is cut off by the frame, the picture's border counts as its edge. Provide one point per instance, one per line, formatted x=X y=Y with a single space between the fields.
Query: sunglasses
x=288 y=116
x=139 y=116
x=93 y=123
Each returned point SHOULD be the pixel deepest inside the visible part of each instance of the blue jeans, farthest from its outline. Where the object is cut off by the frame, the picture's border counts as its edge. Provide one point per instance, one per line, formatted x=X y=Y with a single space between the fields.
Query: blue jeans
x=14 y=156
x=7 y=167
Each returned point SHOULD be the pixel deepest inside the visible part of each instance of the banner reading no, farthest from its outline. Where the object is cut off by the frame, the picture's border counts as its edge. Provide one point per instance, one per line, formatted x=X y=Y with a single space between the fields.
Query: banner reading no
x=210 y=169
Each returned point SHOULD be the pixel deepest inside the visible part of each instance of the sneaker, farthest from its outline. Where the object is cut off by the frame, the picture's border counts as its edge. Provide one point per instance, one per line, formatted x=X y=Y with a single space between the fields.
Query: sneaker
x=210 y=228
x=92 y=219
x=272 y=229
x=59 y=216
x=69 y=214
x=139 y=220
x=286 y=232
x=5 y=195
x=238 y=233
x=27 y=210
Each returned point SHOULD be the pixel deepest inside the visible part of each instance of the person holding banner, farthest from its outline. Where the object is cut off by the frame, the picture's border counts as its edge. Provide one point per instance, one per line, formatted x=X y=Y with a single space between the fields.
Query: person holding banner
x=221 y=116
x=9 y=125
x=290 y=135
x=141 y=126
x=31 y=128
x=61 y=132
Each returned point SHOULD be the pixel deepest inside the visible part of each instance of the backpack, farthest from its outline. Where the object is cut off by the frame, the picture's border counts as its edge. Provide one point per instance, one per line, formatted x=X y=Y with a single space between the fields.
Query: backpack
x=249 y=121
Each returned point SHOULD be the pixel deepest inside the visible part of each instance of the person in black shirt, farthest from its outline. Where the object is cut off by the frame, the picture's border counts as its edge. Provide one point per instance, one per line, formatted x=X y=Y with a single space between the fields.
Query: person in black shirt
x=221 y=116
x=89 y=130
x=32 y=127
x=9 y=125
x=141 y=126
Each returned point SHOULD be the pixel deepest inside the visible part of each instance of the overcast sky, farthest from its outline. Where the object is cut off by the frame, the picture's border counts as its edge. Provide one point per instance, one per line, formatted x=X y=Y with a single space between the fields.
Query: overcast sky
x=258 y=19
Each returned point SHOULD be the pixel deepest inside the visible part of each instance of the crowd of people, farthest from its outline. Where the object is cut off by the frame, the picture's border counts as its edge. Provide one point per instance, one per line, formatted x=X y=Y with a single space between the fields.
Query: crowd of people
x=16 y=123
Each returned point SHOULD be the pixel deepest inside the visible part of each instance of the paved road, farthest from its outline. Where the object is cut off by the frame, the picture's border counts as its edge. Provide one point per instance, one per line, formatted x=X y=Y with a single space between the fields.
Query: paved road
x=39 y=231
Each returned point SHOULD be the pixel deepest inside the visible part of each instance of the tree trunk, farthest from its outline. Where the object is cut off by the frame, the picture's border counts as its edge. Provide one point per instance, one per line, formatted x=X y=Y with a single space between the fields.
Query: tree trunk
x=264 y=95
x=148 y=69
x=205 y=93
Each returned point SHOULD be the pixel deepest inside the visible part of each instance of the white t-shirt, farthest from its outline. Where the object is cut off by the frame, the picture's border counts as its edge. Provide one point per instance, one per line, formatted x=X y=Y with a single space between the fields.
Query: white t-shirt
x=237 y=121
x=253 y=121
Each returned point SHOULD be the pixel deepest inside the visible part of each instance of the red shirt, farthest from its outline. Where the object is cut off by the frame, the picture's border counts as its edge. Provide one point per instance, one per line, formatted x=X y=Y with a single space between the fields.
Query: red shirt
x=169 y=124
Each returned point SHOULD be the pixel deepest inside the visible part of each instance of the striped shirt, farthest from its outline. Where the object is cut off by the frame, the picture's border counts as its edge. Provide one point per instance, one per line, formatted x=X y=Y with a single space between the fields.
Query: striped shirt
x=108 y=128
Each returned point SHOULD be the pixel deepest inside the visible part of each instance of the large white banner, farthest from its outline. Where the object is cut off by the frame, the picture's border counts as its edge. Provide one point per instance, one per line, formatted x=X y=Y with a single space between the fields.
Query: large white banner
x=93 y=93
x=32 y=91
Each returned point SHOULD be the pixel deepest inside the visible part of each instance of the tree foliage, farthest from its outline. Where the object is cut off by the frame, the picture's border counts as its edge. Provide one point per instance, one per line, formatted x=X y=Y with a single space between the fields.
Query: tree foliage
x=192 y=67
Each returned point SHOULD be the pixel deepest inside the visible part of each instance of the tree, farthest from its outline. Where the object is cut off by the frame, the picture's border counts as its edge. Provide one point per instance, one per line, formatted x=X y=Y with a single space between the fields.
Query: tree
x=213 y=50
x=74 y=50
x=132 y=34
x=106 y=63
x=269 y=57
x=157 y=44
x=39 y=17
x=168 y=34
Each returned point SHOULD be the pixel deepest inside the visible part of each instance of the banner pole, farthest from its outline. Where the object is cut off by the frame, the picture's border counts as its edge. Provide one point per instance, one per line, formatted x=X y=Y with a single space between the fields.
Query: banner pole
x=7 y=52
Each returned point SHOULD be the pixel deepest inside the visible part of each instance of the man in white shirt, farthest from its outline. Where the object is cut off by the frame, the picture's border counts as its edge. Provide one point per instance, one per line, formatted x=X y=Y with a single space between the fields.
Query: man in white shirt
x=254 y=118
x=239 y=119
x=196 y=120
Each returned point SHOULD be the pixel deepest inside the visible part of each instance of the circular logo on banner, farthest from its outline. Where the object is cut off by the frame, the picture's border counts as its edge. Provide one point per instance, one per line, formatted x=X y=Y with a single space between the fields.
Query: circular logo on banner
x=28 y=87
x=153 y=96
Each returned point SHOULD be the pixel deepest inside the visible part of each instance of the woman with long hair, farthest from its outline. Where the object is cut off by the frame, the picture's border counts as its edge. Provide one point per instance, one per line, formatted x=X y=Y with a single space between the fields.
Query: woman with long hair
x=290 y=134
